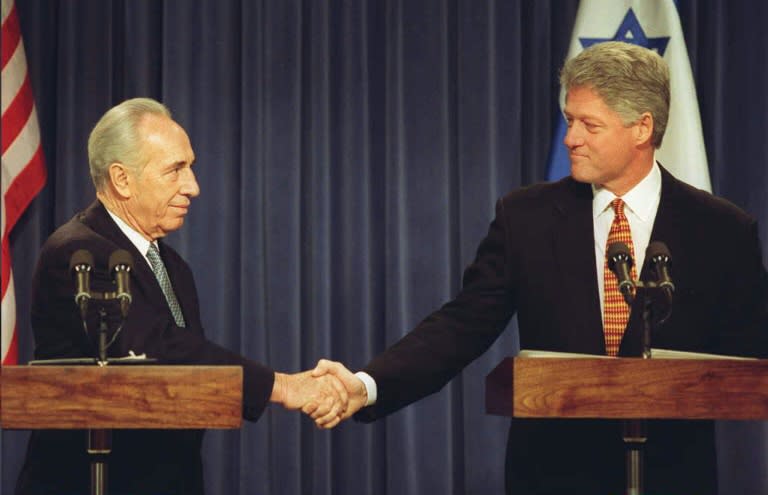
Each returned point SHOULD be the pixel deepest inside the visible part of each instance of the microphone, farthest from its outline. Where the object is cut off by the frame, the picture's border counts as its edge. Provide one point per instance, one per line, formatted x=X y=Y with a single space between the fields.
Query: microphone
x=660 y=259
x=121 y=262
x=620 y=263
x=81 y=263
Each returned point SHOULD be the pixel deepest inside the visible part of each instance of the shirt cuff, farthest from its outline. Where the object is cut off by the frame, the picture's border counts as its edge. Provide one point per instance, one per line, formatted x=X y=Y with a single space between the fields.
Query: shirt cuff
x=370 y=386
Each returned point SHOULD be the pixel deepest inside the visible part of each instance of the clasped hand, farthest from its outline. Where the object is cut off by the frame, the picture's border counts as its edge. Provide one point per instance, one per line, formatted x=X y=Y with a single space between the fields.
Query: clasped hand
x=328 y=394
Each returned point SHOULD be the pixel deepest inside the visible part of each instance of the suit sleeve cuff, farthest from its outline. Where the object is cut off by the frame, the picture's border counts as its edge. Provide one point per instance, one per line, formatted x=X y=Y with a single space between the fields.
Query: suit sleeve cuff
x=370 y=386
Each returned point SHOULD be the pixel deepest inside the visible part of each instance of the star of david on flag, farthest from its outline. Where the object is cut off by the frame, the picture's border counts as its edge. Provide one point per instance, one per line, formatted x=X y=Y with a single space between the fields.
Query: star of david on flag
x=654 y=25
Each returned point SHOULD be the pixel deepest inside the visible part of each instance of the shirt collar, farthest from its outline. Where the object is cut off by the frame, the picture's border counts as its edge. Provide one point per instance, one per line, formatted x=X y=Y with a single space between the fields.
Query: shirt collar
x=640 y=199
x=136 y=239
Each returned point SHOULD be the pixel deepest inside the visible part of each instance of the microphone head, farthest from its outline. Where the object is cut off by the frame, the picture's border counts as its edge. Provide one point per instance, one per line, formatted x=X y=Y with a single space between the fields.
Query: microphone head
x=618 y=251
x=81 y=258
x=656 y=251
x=120 y=257
x=121 y=262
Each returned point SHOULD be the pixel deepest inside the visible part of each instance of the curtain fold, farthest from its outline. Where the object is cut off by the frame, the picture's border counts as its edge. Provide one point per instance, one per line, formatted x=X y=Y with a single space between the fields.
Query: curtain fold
x=349 y=156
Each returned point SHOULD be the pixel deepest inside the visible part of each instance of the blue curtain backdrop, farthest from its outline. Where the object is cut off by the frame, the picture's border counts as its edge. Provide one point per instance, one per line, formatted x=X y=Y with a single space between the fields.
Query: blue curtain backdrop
x=349 y=155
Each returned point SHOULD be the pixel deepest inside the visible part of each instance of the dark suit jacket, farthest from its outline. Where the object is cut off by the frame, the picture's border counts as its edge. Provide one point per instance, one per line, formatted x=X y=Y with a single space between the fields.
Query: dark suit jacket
x=142 y=461
x=538 y=260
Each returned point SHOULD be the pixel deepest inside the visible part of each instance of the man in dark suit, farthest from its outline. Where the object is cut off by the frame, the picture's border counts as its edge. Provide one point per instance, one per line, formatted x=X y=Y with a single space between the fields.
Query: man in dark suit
x=544 y=259
x=141 y=164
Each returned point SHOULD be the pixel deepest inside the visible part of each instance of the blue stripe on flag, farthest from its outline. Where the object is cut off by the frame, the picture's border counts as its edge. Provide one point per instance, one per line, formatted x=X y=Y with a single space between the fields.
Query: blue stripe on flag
x=558 y=165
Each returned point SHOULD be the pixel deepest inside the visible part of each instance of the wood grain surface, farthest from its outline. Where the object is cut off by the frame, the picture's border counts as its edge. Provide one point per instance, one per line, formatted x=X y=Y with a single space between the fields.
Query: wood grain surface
x=629 y=388
x=64 y=397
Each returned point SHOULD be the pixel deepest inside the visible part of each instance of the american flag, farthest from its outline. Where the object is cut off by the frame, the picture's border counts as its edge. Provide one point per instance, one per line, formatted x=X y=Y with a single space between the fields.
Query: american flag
x=22 y=165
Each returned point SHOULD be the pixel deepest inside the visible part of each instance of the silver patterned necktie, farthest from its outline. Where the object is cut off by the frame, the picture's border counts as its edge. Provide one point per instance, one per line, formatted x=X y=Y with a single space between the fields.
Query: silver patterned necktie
x=165 y=283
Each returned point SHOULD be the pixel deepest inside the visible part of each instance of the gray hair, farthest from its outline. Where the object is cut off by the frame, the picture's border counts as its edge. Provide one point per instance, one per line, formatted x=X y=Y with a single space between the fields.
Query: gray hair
x=116 y=137
x=630 y=79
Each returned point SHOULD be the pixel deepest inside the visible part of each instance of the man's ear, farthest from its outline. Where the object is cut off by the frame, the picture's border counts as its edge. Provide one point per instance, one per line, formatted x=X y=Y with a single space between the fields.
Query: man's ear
x=644 y=129
x=119 y=179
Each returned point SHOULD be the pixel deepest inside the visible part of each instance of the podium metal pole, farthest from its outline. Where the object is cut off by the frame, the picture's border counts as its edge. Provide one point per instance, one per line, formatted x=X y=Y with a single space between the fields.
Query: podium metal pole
x=635 y=430
x=99 y=447
x=634 y=441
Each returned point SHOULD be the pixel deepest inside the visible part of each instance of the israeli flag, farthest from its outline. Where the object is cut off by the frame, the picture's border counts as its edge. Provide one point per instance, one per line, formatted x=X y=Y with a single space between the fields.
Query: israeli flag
x=654 y=24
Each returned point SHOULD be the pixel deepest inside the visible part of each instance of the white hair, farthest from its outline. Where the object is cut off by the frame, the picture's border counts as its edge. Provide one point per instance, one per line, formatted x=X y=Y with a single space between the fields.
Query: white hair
x=116 y=137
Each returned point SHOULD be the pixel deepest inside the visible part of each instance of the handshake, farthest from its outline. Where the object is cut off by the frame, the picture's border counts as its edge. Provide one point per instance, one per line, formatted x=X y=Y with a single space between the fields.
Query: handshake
x=329 y=393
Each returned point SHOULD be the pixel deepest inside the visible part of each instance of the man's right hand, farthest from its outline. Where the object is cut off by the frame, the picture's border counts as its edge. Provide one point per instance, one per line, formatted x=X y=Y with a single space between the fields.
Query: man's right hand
x=324 y=398
x=356 y=391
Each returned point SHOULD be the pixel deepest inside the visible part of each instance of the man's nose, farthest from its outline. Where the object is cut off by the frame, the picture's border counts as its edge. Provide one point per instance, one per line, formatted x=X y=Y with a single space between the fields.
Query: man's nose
x=190 y=187
x=572 y=137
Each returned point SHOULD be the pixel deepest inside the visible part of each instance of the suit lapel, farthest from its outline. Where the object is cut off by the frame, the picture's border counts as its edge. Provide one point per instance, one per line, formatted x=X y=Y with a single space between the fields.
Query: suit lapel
x=574 y=252
x=667 y=228
x=670 y=219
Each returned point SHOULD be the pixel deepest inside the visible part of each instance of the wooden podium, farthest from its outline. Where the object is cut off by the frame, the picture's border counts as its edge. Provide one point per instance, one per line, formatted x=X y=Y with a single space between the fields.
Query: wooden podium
x=102 y=398
x=628 y=388
x=632 y=389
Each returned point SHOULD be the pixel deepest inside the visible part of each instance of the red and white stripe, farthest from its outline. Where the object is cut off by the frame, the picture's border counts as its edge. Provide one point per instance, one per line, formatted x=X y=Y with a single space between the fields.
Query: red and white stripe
x=23 y=167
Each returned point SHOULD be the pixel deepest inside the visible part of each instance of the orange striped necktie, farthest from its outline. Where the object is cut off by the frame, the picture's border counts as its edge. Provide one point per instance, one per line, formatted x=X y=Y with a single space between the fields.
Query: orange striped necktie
x=616 y=310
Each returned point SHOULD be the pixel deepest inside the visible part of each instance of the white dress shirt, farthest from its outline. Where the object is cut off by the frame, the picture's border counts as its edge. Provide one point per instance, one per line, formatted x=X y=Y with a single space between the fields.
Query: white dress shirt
x=136 y=239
